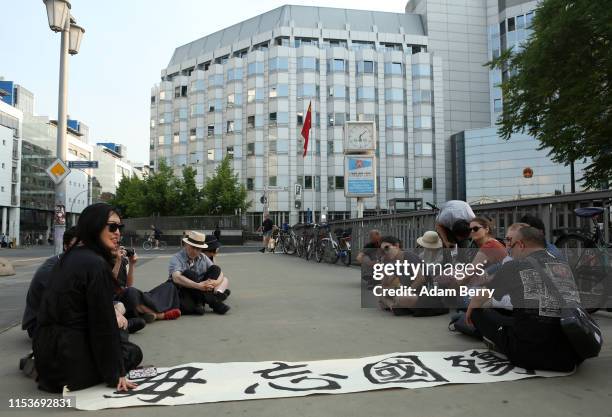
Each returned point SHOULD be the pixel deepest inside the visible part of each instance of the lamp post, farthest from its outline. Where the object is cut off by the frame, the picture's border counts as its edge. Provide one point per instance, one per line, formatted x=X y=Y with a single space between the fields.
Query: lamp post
x=60 y=20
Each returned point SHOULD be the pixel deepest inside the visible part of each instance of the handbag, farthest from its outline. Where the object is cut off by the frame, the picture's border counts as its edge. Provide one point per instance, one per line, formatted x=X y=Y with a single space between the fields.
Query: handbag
x=577 y=324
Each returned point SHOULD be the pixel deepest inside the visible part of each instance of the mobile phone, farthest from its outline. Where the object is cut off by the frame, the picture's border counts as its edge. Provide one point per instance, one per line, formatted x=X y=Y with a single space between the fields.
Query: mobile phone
x=146 y=372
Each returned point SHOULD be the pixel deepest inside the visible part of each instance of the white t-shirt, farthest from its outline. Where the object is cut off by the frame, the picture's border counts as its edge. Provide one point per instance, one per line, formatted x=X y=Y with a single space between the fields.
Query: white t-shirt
x=454 y=210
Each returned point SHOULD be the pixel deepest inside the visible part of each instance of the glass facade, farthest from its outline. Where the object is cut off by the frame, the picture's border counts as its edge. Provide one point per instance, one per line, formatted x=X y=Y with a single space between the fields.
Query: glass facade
x=494 y=168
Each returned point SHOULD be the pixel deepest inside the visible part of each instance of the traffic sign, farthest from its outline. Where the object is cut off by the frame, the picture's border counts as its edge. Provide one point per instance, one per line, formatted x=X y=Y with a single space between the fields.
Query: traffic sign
x=58 y=171
x=298 y=191
x=82 y=164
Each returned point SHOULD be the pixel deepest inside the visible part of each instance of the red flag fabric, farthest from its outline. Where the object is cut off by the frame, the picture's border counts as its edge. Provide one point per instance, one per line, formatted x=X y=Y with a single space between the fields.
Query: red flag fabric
x=306 y=128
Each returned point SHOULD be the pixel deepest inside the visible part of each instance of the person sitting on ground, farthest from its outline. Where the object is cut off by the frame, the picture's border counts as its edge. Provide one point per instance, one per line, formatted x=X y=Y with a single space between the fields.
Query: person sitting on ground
x=452 y=223
x=531 y=337
x=140 y=309
x=191 y=272
x=533 y=221
x=40 y=283
x=267 y=227
x=490 y=250
x=221 y=284
x=77 y=343
x=370 y=255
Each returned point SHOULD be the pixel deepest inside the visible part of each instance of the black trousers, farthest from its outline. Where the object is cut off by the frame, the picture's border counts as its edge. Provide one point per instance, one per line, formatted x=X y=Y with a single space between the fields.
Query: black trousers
x=131 y=297
x=547 y=349
x=190 y=298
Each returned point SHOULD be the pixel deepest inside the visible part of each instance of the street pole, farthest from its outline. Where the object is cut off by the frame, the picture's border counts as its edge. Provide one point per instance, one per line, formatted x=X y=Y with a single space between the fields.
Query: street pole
x=60 y=189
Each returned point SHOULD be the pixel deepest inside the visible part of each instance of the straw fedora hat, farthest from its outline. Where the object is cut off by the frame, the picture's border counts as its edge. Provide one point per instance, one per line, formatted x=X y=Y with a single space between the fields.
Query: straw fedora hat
x=196 y=239
x=430 y=240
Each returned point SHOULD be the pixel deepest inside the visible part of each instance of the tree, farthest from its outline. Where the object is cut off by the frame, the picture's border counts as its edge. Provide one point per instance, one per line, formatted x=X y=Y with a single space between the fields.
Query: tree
x=223 y=193
x=558 y=90
x=190 y=196
x=161 y=192
x=129 y=197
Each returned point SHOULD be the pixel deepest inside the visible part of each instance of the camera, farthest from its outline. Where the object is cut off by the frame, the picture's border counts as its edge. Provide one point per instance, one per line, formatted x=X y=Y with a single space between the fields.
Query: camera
x=129 y=252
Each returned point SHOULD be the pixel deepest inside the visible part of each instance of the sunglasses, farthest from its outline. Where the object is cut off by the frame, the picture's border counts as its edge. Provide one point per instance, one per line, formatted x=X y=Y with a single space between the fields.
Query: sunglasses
x=113 y=227
x=475 y=228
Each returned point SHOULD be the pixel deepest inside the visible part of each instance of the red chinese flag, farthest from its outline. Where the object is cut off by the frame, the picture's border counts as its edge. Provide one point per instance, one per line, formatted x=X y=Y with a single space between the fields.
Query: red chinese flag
x=306 y=128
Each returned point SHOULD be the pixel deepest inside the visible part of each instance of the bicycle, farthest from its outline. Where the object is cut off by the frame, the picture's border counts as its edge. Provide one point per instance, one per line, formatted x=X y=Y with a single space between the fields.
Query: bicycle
x=289 y=241
x=149 y=243
x=336 y=246
x=587 y=254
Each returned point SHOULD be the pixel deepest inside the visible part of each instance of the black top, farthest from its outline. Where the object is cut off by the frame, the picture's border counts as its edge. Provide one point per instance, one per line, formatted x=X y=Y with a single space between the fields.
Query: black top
x=38 y=285
x=122 y=276
x=268 y=225
x=77 y=342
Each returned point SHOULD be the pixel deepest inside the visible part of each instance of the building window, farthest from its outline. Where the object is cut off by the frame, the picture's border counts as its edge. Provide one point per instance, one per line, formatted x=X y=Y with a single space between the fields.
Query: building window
x=365 y=67
x=427 y=183
x=338 y=91
x=279 y=63
x=511 y=25
x=251 y=122
x=394 y=68
x=307 y=90
x=308 y=63
x=366 y=93
x=229 y=126
x=339 y=182
x=192 y=135
x=337 y=65
x=497 y=105
x=394 y=121
x=423 y=149
x=211 y=154
x=394 y=94
x=255 y=68
x=398 y=183
x=300 y=118
x=281 y=90
x=210 y=130
x=234 y=74
x=152 y=99
x=250 y=184
x=272 y=118
x=176 y=137
x=308 y=182
x=421 y=70
x=422 y=122
x=230 y=152
x=251 y=149
x=528 y=19
x=306 y=41
x=421 y=96
x=520 y=22
x=272 y=181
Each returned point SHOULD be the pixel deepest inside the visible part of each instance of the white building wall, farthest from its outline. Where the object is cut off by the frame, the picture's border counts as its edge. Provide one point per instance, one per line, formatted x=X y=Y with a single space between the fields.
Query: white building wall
x=11 y=120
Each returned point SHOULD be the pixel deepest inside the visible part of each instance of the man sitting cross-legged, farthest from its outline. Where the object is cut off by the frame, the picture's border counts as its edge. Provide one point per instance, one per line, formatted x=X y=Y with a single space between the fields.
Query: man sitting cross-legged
x=192 y=272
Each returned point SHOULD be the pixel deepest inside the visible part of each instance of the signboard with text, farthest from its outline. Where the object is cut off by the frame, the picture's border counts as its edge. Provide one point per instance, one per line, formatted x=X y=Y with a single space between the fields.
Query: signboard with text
x=359 y=176
x=82 y=164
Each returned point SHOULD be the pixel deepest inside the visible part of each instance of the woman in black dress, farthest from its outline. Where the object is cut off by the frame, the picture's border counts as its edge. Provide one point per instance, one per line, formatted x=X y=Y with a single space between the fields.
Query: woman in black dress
x=78 y=343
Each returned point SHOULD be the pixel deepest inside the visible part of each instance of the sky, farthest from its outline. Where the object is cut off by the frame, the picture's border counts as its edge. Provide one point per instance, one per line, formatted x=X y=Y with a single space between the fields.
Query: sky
x=126 y=45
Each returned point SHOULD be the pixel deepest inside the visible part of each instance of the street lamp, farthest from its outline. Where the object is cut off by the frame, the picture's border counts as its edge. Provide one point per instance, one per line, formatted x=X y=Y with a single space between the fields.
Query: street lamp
x=60 y=20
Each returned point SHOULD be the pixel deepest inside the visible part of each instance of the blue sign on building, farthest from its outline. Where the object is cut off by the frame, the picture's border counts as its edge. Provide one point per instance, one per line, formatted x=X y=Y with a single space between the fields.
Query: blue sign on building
x=8 y=87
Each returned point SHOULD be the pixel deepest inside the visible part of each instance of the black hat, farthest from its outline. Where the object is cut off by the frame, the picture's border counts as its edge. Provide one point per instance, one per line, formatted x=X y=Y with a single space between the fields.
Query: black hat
x=212 y=242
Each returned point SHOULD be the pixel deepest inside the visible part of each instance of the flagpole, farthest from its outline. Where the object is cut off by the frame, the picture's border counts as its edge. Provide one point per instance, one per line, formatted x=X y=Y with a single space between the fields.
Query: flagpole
x=312 y=162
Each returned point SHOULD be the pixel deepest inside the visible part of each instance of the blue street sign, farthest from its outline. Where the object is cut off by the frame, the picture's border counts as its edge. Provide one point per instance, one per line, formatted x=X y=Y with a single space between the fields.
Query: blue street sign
x=82 y=164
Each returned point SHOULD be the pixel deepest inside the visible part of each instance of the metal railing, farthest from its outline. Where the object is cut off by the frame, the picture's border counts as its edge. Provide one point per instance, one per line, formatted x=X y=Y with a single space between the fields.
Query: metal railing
x=557 y=213
x=182 y=223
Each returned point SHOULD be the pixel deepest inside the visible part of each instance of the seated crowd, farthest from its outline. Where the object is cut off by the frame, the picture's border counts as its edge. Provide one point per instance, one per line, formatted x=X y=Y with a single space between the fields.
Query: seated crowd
x=519 y=318
x=82 y=304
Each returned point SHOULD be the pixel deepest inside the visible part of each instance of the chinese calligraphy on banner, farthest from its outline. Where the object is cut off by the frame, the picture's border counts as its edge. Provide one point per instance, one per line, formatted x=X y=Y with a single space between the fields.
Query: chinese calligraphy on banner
x=214 y=382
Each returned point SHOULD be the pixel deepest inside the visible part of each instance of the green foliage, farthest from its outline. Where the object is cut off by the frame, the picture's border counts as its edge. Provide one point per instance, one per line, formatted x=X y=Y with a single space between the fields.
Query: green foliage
x=559 y=86
x=223 y=193
x=162 y=193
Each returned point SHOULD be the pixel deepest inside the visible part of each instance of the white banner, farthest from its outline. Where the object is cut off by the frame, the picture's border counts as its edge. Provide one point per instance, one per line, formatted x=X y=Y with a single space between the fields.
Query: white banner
x=194 y=383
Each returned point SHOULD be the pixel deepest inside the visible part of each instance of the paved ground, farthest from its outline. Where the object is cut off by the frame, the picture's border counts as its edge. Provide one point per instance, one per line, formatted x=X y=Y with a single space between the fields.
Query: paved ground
x=285 y=308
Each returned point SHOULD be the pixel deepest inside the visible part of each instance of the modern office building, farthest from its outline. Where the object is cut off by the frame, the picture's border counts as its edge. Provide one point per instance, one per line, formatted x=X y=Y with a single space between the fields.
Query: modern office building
x=486 y=168
x=243 y=92
x=112 y=167
x=10 y=168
